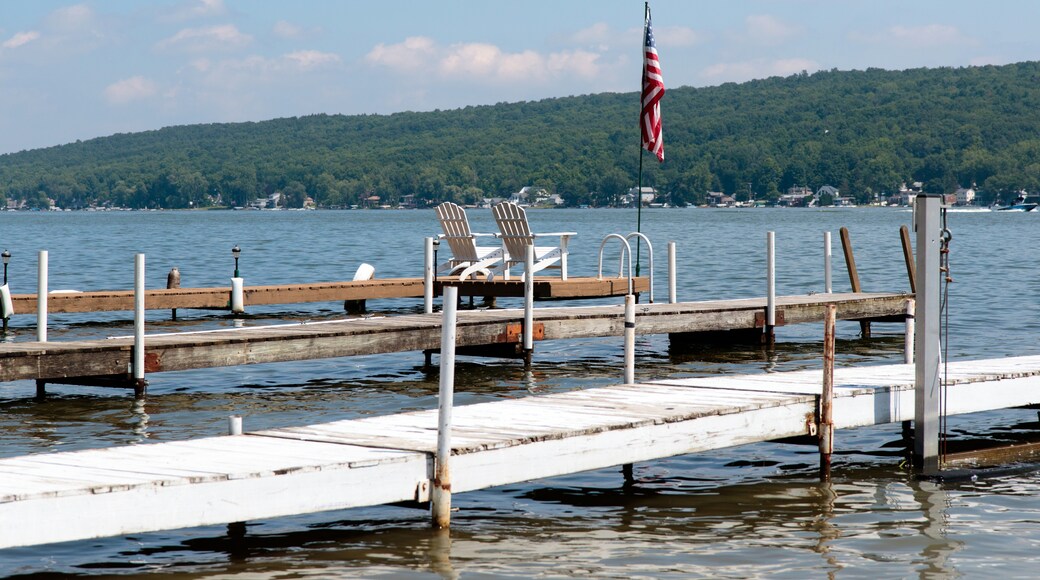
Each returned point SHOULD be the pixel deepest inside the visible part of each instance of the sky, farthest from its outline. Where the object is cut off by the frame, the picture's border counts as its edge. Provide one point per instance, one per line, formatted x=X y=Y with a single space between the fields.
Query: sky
x=75 y=71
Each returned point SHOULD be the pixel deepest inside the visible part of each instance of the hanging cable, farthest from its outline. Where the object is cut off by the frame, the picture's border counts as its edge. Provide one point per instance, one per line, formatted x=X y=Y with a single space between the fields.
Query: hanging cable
x=944 y=332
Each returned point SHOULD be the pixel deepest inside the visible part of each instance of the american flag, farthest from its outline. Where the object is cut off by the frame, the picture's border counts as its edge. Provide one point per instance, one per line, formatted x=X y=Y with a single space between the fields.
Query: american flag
x=653 y=90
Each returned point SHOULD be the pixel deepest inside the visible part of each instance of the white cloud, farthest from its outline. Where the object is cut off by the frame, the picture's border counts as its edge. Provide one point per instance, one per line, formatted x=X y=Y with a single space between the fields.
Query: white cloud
x=929 y=35
x=676 y=36
x=74 y=17
x=309 y=59
x=482 y=62
x=765 y=29
x=226 y=36
x=283 y=29
x=196 y=9
x=757 y=69
x=131 y=89
x=414 y=53
x=20 y=39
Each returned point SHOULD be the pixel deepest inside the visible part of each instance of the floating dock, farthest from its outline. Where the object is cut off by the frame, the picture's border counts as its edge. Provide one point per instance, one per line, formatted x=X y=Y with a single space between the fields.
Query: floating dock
x=106 y=362
x=78 y=495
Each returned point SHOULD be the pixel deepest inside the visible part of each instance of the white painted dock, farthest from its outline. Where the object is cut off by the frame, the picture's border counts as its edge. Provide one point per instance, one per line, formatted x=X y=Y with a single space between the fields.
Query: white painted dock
x=105 y=492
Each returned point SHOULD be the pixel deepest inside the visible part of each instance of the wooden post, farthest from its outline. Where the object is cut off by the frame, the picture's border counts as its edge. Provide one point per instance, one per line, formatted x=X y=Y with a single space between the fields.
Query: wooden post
x=908 y=257
x=826 y=430
x=850 y=264
x=139 y=291
x=440 y=492
x=671 y=273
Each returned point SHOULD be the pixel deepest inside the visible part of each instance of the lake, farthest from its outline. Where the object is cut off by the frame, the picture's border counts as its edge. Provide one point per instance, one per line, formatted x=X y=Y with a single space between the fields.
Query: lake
x=750 y=511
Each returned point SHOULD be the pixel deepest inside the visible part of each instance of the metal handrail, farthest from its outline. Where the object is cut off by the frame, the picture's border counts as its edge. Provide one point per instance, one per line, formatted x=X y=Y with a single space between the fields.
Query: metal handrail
x=650 y=256
x=626 y=251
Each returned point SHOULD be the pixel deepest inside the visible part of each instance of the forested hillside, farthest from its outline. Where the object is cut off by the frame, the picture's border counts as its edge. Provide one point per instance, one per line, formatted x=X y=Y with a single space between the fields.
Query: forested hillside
x=864 y=132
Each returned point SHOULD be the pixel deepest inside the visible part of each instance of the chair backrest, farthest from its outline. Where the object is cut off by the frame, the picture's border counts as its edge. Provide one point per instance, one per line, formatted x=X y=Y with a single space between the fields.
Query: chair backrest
x=456 y=231
x=514 y=229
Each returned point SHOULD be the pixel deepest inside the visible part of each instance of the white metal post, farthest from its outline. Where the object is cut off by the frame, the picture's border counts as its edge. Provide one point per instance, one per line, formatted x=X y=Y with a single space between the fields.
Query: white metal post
x=139 y=292
x=827 y=262
x=770 y=281
x=671 y=273
x=440 y=493
x=529 y=300
x=908 y=343
x=428 y=276
x=630 y=339
x=41 y=297
x=234 y=423
x=926 y=335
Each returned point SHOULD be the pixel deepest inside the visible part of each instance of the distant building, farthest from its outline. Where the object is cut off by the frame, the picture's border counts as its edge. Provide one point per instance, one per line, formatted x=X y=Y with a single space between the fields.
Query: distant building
x=647 y=196
x=719 y=199
x=965 y=196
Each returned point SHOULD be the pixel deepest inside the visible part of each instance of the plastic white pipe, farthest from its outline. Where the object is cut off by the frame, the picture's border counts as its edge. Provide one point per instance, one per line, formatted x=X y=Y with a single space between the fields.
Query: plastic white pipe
x=771 y=279
x=139 y=292
x=529 y=299
x=671 y=273
x=428 y=269
x=908 y=346
x=238 y=300
x=440 y=493
x=6 y=304
x=41 y=297
x=827 y=262
x=630 y=339
x=234 y=424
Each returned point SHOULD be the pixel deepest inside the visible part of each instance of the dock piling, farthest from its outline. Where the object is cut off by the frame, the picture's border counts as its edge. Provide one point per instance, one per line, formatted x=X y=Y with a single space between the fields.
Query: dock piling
x=671 y=273
x=630 y=339
x=139 y=291
x=770 y=287
x=440 y=492
x=428 y=268
x=826 y=430
x=41 y=297
x=908 y=257
x=173 y=280
x=908 y=342
x=926 y=335
x=828 y=288
x=234 y=424
x=529 y=303
x=850 y=264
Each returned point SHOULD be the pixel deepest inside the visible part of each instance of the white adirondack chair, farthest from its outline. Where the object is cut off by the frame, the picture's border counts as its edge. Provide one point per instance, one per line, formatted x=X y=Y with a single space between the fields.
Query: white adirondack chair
x=516 y=236
x=467 y=259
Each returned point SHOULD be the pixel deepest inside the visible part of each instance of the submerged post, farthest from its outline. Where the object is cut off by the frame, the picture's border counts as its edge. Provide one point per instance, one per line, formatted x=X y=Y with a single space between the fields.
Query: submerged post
x=926 y=335
x=671 y=273
x=440 y=493
x=770 y=286
x=827 y=397
x=139 y=292
x=428 y=269
x=630 y=339
x=827 y=262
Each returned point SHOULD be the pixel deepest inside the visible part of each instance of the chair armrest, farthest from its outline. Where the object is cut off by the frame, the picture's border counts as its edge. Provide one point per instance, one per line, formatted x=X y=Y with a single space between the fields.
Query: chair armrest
x=560 y=234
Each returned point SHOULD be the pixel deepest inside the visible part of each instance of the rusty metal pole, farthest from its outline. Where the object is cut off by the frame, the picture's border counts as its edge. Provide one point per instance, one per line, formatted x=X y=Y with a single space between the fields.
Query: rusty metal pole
x=826 y=430
x=440 y=494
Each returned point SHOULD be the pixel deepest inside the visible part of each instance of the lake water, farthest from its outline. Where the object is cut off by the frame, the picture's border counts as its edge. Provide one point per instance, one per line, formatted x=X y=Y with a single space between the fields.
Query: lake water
x=752 y=511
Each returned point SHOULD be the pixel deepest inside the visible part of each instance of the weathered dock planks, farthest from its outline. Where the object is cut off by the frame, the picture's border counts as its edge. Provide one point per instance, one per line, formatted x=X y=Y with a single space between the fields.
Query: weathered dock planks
x=218 y=298
x=387 y=459
x=53 y=361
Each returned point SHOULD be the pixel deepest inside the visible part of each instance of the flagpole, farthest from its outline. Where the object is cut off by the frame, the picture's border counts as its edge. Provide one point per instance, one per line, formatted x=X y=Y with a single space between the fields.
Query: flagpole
x=639 y=188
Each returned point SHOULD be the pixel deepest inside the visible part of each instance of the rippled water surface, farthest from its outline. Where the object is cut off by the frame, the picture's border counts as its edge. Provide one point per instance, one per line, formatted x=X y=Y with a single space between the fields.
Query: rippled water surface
x=752 y=511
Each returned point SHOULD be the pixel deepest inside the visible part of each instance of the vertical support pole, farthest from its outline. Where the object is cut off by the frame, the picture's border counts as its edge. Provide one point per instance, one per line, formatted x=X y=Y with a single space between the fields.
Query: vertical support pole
x=41 y=297
x=528 y=303
x=234 y=424
x=926 y=335
x=827 y=397
x=908 y=257
x=440 y=493
x=908 y=342
x=850 y=264
x=429 y=267
x=828 y=288
x=238 y=302
x=139 y=292
x=671 y=273
x=630 y=339
x=770 y=286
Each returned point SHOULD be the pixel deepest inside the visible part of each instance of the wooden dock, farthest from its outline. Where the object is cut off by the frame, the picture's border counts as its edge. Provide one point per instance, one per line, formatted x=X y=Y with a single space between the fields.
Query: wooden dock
x=80 y=361
x=60 y=497
x=219 y=298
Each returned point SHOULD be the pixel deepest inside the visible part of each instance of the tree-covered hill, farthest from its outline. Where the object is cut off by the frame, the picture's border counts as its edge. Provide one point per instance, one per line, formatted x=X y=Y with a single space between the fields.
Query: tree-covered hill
x=864 y=132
